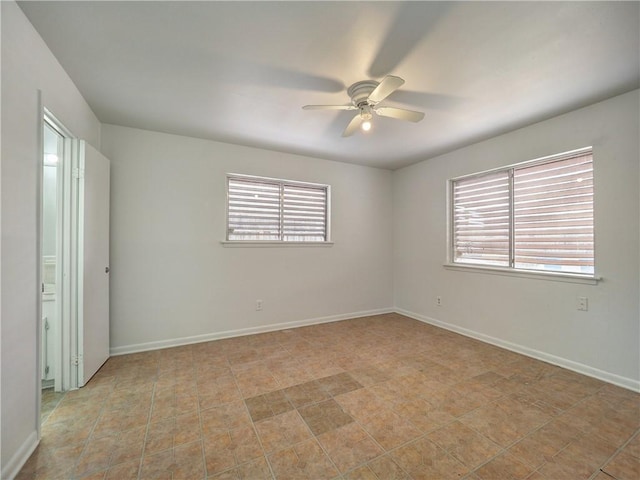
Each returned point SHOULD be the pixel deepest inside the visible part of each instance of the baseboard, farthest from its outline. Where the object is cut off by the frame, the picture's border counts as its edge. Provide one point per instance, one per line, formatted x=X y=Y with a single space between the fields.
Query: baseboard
x=175 y=342
x=608 y=377
x=13 y=466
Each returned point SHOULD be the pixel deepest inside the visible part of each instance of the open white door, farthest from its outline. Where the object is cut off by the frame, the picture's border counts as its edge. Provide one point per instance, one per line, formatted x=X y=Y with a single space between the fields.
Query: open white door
x=93 y=262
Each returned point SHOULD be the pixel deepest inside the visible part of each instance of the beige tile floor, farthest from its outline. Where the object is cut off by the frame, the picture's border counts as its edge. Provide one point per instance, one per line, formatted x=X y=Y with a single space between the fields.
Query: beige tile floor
x=50 y=400
x=382 y=397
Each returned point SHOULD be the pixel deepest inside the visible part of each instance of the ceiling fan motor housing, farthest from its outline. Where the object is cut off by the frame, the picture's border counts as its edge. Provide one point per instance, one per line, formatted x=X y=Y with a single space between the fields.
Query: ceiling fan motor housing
x=360 y=91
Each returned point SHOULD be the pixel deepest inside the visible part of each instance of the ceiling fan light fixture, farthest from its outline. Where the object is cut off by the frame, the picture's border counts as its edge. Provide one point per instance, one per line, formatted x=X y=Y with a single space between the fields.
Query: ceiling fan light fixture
x=366 y=97
x=365 y=114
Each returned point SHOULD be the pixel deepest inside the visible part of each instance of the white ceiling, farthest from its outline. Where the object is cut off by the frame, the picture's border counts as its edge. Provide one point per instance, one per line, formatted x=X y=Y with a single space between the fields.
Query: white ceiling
x=240 y=71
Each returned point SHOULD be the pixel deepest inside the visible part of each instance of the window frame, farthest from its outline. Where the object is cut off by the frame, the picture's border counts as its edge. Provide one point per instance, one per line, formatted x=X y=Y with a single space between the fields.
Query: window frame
x=277 y=243
x=451 y=264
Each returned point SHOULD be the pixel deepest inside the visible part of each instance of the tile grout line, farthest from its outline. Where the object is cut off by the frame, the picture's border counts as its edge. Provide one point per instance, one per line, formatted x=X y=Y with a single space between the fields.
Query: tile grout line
x=583 y=433
x=199 y=414
x=503 y=449
x=531 y=432
x=615 y=454
x=148 y=424
x=340 y=473
x=253 y=425
x=88 y=439
x=314 y=436
x=200 y=426
x=423 y=435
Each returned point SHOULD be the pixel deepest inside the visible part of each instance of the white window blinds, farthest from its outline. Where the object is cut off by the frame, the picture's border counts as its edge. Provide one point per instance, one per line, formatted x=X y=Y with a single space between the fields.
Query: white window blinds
x=253 y=210
x=553 y=213
x=304 y=213
x=276 y=210
x=481 y=219
x=535 y=216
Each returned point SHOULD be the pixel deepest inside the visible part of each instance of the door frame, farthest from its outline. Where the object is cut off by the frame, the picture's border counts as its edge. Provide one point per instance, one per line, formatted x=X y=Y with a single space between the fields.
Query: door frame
x=49 y=121
x=70 y=267
x=66 y=374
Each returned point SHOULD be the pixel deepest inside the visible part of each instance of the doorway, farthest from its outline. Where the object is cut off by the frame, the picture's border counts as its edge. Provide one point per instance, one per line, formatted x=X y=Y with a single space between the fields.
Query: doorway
x=50 y=334
x=74 y=261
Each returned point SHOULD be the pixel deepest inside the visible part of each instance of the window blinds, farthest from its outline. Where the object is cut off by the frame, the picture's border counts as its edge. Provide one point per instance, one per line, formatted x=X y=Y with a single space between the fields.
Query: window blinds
x=553 y=215
x=304 y=213
x=535 y=217
x=273 y=210
x=481 y=219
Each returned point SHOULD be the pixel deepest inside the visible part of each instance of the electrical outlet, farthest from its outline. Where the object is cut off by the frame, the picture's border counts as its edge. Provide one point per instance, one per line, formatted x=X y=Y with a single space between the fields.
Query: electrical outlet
x=258 y=305
x=583 y=304
x=439 y=300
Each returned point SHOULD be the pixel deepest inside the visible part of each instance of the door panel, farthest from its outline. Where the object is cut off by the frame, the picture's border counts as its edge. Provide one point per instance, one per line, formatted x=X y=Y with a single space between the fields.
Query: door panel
x=93 y=297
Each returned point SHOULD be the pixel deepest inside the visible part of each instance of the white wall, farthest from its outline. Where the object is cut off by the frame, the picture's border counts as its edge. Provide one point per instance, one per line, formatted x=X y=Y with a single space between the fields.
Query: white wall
x=171 y=279
x=27 y=66
x=537 y=316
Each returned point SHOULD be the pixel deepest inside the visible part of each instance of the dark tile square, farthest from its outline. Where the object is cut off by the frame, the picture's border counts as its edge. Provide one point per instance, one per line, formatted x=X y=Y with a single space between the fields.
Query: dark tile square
x=325 y=416
x=306 y=394
x=268 y=405
x=258 y=409
x=338 y=384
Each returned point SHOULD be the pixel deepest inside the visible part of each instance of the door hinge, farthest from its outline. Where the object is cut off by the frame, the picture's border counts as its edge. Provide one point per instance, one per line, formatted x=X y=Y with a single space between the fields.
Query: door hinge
x=75 y=361
x=78 y=172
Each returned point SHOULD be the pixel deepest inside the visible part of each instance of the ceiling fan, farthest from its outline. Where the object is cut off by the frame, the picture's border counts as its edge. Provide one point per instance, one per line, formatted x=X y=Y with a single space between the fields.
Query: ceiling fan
x=366 y=97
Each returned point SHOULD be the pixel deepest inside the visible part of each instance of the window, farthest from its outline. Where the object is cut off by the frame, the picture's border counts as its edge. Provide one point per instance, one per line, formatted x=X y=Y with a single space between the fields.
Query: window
x=533 y=216
x=266 y=209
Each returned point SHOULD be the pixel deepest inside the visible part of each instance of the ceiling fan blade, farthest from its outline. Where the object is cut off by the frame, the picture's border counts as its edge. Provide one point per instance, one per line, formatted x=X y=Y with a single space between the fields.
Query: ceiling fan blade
x=400 y=114
x=387 y=86
x=353 y=126
x=329 y=107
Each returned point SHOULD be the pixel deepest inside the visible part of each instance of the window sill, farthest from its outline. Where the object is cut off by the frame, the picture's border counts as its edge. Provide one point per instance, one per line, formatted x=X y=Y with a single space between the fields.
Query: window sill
x=271 y=244
x=553 y=276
